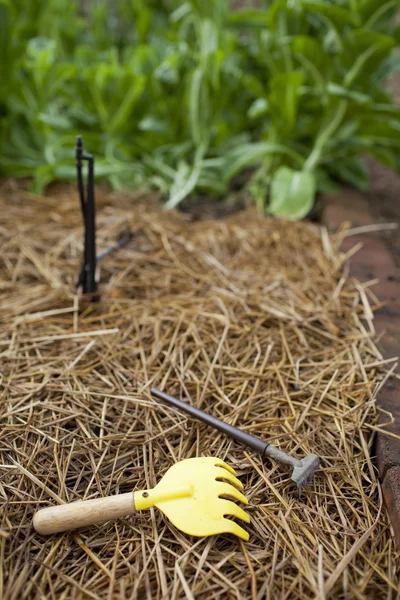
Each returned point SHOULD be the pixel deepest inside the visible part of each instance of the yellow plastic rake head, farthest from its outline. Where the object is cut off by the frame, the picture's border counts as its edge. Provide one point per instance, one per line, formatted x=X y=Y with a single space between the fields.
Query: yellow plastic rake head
x=197 y=496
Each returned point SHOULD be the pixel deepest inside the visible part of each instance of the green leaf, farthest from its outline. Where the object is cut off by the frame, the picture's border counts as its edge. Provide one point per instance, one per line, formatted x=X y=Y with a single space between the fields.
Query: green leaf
x=143 y=17
x=310 y=48
x=385 y=132
x=372 y=10
x=347 y=130
x=248 y=17
x=127 y=105
x=368 y=49
x=41 y=49
x=377 y=110
x=292 y=193
x=389 y=67
x=362 y=40
x=367 y=8
x=57 y=121
x=258 y=108
x=43 y=176
x=353 y=171
x=197 y=106
x=211 y=182
x=340 y=17
x=395 y=33
x=338 y=90
x=385 y=156
x=185 y=180
x=324 y=183
x=249 y=155
x=153 y=123
x=284 y=96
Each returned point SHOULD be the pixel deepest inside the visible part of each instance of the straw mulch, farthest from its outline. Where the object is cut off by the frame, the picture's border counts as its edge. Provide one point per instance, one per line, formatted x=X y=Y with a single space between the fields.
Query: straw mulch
x=249 y=318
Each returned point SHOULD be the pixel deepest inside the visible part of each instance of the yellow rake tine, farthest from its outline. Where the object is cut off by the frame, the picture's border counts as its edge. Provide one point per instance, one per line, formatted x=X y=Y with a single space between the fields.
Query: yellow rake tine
x=233 y=510
x=232 y=527
x=229 y=477
x=220 y=463
x=225 y=489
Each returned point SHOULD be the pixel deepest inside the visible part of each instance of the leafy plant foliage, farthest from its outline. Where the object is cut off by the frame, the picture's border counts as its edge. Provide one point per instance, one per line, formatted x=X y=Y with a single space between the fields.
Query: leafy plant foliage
x=184 y=95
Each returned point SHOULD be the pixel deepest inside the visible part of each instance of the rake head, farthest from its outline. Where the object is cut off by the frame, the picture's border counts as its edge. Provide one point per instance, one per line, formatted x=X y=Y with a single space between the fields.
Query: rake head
x=206 y=511
x=304 y=472
x=303 y=469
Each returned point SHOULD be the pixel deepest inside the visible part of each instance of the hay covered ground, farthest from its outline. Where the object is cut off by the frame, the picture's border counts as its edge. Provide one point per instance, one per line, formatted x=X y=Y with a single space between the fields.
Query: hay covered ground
x=253 y=320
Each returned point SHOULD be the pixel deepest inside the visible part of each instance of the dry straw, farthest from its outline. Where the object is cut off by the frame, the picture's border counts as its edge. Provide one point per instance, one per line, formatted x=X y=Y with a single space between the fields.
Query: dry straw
x=251 y=319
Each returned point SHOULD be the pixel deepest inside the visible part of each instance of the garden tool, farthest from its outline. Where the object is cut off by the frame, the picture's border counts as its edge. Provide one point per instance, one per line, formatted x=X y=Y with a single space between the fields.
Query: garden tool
x=193 y=494
x=303 y=469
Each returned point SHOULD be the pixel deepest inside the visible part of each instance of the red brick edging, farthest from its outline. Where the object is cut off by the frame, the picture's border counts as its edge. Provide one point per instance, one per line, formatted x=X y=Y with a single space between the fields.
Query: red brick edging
x=374 y=261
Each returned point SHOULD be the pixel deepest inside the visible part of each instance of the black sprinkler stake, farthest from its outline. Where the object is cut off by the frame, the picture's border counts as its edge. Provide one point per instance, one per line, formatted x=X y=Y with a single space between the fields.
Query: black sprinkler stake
x=87 y=275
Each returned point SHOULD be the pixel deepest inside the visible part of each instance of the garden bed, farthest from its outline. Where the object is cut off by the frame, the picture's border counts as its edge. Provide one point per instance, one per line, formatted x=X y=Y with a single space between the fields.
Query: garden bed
x=250 y=318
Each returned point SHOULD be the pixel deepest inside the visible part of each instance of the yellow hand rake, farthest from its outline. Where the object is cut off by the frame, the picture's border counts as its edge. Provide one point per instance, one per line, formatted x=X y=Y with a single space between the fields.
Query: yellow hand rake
x=195 y=494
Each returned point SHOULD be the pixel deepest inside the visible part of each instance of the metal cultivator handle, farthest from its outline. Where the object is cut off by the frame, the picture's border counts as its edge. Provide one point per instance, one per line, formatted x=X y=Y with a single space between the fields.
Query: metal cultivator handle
x=303 y=469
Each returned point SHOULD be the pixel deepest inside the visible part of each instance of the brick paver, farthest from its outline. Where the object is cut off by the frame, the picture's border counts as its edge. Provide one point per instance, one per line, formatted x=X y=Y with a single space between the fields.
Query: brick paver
x=374 y=261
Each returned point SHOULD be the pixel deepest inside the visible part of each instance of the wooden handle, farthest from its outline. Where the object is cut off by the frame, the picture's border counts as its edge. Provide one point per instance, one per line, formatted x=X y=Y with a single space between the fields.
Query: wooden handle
x=83 y=513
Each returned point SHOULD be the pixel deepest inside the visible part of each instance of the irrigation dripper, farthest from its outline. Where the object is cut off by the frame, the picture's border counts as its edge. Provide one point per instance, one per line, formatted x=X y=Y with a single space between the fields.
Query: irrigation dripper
x=87 y=276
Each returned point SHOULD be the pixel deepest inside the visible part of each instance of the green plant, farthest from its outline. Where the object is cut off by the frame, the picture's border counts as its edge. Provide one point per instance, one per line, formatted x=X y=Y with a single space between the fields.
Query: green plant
x=185 y=95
